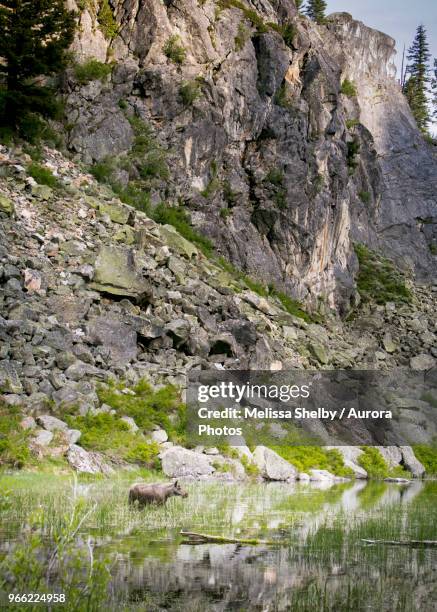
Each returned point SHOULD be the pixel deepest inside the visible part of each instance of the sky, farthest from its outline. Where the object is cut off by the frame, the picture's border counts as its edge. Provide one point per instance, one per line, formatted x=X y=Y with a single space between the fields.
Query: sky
x=398 y=18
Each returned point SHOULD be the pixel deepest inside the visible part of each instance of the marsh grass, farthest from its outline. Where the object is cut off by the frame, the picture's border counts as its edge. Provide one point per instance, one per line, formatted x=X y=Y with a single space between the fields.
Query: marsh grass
x=318 y=536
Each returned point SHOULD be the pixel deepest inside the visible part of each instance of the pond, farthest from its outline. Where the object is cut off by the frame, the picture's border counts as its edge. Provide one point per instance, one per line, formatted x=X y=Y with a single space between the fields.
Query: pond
x=309 y=554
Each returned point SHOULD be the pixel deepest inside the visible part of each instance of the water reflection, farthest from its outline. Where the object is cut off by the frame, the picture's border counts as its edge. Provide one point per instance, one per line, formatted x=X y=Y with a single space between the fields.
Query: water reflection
x=320 y=564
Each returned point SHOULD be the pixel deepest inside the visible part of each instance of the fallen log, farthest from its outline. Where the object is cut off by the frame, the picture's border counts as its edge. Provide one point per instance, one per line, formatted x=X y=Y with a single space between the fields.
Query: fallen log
x=205 y=538
x=413 y=543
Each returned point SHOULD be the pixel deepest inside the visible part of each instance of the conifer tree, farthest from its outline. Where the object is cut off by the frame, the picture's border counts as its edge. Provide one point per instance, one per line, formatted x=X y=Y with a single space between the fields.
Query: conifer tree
x=298 y=4
x=316 y=10
x=417 y=79
x=35 y=35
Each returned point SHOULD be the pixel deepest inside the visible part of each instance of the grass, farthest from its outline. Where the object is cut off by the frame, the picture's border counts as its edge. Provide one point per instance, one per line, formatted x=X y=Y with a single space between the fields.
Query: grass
x=180 y=220
x=189 y=92
x=174 y=50
x=351 y=123
x=348 y=88
x=42 y=175
x=353 y=150
x=376 y=467
x=91 y=70
x=427 y=455
x=319 y=540
x=106 y=20
x=305 y=458
x=14 y=450
x=243 y=35
x=378 y=280
x=365 y=197
x=109 y=434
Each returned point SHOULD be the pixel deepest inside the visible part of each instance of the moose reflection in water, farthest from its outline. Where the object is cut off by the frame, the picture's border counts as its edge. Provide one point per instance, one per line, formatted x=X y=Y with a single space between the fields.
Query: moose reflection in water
x=156 y=493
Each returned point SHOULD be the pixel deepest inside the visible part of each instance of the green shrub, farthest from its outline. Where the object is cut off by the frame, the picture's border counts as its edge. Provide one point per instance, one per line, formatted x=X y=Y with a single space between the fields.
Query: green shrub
x=189 y=91
x=427 y=455
x=353 y=149
x=287 y=31
x=91 y=70
x=351 y=123
x=106 y=20
x=42 y=175
x=373 y=462
x=292 y=306
x=14 y=450
x=305 y=458
x=225 y=212
x=365 y=197
x=147 y=154
x=348 y=88
x=242 y=36
x=103 y=170
x=378 y=280
x=282 y=97
x=148 y=407
x=109 y=434
x=174 y=50
x=181 y=221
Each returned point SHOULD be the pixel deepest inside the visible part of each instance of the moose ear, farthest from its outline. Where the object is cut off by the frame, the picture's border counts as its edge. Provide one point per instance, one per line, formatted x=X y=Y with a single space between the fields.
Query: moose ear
x=176 y=483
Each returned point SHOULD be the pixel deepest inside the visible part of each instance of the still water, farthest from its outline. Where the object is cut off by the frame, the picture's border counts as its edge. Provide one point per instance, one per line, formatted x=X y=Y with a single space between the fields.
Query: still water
x=311 y=555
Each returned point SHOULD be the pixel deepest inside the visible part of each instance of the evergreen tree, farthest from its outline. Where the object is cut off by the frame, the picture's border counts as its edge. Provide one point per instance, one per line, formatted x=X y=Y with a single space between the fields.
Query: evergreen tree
x=434 y=90
x=316 y=10
x=35 y=35
x=417 y=79
x=298 y=4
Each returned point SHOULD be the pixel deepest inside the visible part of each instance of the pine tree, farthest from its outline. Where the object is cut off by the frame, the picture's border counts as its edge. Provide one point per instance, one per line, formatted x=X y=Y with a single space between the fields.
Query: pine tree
x=417 y=79
x=434 y=89
x=35 y=35
x=299 y=4
x=316 y=10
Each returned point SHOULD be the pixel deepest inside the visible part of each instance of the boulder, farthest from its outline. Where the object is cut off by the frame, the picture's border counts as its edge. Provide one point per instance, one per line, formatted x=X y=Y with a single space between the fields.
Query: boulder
x=422 y=362
x=28 y=423
x=178 y=462
x=350 y=456
x=51 y=423
x=6 y=206
x=177 y=242
x=130 y=423
x=272 y=466
x=42 y=438
x=159 y=436
x=73 y=436
x=391 y=454
x=411 y=463
x=9 y=379
x=325 y=476
x=84 y=461
x=117 y=212
x=259 y=302
x=115 y=272
x=119 y=338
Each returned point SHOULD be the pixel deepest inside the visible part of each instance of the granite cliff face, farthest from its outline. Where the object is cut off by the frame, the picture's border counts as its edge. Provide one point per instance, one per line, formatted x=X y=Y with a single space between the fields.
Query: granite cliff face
x=278 y=166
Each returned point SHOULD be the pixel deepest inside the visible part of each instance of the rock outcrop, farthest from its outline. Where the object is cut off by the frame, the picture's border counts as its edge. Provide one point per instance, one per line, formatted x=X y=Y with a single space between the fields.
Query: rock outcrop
x=279 y=163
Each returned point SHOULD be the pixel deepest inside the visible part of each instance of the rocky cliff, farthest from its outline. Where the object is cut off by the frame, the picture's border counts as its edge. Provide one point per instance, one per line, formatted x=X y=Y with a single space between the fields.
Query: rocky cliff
x=279 y=162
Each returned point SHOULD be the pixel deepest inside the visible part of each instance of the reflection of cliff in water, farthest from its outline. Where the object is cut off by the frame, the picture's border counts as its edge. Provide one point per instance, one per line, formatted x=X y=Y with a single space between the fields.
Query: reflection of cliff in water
x=238 y=577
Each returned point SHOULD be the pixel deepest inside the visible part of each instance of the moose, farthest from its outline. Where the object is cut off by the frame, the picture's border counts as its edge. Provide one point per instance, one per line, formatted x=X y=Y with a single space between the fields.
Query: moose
x=157 y=493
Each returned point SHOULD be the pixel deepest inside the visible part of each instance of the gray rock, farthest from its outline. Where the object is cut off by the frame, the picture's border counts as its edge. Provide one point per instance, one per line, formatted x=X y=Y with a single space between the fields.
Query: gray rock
x=113 y=334
x=116 y=273
x=272 y=466
x=130 y=423
x=86 y=462
x=28 y=423
x=73 y=435
x=159 y=436
x=422 y=362
x=178 y=462
x=51 y=423
x=411 y=462
x=42 y=438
